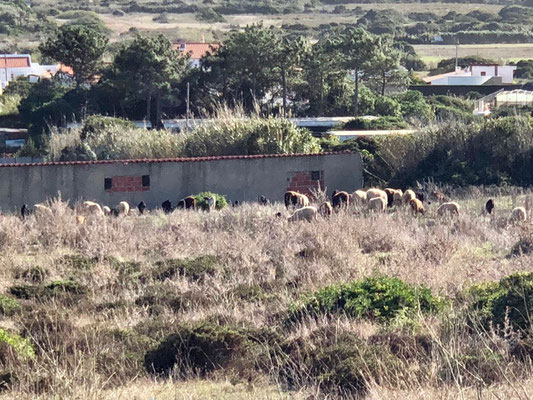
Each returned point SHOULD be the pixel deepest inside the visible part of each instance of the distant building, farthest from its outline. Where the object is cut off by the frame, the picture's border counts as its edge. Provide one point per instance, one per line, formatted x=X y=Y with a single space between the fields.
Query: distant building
x=13 y=66
x=195 y=50
x=475 y=75
x=503 y=98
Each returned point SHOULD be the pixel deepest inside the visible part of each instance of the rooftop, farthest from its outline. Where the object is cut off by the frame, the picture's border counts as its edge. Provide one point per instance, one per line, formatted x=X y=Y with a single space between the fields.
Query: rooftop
x=196 y=50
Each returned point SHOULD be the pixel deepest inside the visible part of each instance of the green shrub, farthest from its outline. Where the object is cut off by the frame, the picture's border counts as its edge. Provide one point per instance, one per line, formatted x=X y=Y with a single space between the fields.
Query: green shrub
x=192 y=268
x=35 y=274
x=96 y=125
x=26 y=291
x=381 y=298
x=8 y=306
x=79 y=262
x=125 y=269
x=201 y=201
x=20 y=345
x=202 y=348
x=53 y=289
x=156 y=299
x=508 y=301
x=67 y=287
x=381 y=123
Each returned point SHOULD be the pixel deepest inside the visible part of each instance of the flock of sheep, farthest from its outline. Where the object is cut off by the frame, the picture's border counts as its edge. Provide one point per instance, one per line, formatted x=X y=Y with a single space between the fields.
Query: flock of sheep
x=378 y=200
x=375 y=200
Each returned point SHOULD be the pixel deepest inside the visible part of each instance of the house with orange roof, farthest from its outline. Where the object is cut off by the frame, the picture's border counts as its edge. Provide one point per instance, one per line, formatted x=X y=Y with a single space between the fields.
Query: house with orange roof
x=13 y=66
x=195 y=50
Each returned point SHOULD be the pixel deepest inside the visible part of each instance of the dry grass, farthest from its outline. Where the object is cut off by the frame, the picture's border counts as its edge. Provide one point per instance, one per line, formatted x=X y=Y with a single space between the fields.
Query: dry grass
x=91 y=345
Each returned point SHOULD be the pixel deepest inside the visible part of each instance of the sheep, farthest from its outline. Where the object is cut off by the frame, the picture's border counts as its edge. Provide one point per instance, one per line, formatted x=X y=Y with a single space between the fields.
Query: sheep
x=449 y=207
x=439 y=196
x=489 y=206
x=187 y=203
x=373 y=193
x=25 y=211
x=80 y=219
x=308 y=213
x=420 y=196
x=408 y=195
x=325 y=209
x=296 y=199
x=93 y=208
x=340 y=199
x=211 y=203
x=519 y=214
x=358 y=197
x=416 y=206
x=141 y=207
x=123 y=208
x=394 y=197
x=263 y=200
x=106 y=210
x=167 y=206
x=236 y=203
x=377 y=204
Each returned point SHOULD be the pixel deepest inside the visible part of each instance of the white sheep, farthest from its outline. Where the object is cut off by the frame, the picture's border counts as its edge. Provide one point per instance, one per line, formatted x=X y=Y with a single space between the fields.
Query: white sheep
x=377 y=204
x=358 y=197
x=304 y=214
x=92 y=208
x=519 y=214
x=408 y=195
x=106 y=210
x=373 y=193
x=123 y=208
x=450 y=207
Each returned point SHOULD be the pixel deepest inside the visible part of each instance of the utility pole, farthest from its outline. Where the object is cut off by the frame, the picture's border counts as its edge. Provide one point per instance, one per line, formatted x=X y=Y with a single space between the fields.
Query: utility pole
x=188 y=105
x=5 y=66
x=456 y=54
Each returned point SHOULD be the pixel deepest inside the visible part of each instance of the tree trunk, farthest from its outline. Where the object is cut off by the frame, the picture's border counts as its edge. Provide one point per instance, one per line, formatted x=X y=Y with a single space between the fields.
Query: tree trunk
x=284 y=84
x=383 y=83
x=356 y=93
x=321 y=110
x=149 y=108
x=158 y=121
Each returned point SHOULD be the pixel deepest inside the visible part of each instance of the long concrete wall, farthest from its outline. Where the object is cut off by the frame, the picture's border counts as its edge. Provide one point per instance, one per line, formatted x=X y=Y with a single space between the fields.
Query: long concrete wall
x=241 y=178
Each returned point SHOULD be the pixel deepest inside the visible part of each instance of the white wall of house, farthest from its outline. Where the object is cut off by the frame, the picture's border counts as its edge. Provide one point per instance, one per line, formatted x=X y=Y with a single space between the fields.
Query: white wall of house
x=506 y=72
x=34 y=70
x=461 y=80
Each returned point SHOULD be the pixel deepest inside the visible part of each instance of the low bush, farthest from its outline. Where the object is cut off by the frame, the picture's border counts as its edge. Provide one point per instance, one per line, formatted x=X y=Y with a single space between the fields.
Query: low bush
x=508 y=302
x=201 y=201
x=35 y=274
x=8 y=306
x=381 y=123
x=192 y=268
x=21 y=346
x=79 y=262
x=156 y=299
x=379 y=298
x=200 y=349
x=64 y=289
x=96 y=125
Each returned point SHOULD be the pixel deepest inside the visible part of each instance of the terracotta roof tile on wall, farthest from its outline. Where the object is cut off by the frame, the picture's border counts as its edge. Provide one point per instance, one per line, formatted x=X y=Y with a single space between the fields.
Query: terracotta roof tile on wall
x=196 y=50
x=14 y=62
x=182 y=160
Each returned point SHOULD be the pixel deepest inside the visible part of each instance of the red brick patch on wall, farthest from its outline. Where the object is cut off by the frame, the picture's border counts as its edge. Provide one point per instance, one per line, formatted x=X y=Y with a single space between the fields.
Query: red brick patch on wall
x=126 y=184
x=304 y=181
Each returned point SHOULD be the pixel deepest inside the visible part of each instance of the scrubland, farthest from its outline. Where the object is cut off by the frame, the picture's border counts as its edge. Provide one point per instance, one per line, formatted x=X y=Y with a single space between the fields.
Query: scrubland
x=240 y=304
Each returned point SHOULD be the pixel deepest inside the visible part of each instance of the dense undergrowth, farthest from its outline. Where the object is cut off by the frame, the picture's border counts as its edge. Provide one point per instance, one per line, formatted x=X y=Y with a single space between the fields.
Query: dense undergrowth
x=354 y=305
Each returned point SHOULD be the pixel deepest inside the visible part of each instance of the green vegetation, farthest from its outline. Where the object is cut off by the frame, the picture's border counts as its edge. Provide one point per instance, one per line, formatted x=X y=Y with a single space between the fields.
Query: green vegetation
x=192 y=268
x=380 y=298
x=21 y=346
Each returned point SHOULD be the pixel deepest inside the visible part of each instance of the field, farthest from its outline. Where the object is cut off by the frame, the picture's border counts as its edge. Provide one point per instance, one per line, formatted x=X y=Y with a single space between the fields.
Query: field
x=432 y=54
x=93 y=299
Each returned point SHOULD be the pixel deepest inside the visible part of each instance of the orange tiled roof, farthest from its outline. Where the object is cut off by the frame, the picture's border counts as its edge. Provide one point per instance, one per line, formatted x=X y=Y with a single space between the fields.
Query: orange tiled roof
x=14 y=62
x=196 y=50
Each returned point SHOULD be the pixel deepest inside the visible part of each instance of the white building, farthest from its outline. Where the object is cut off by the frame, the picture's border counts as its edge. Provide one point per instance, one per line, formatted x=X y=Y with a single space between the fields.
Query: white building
x=196 y=50
x=13 y=66
x=503 y=98
x=475 y=75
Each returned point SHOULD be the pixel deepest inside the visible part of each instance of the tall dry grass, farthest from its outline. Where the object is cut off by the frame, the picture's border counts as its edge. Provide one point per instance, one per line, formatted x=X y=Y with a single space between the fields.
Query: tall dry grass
x=90 y=344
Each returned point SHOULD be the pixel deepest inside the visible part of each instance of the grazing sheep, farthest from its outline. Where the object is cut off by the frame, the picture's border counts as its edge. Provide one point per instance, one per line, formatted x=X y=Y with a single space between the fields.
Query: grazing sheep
x=188 y=203
x=374 y=193
x=439 y=196
x=80 y=219
x=308 y=213
x=325 y=209
x=263 y=200
x=167 y=206
x=141 y=207
x=123 y=208
x=519 y=214
x=340 y=199
x=359 y=197
x=416 y=206
x=394 y=197
x=236 y=203
x=25 y=211
x=420 y=196
x=408 y=195
x=377 y=204
x=211 y=203
x=489 y=206
x=106 y=210
x=93 y=208
x=448 y=208
x=296 y=199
